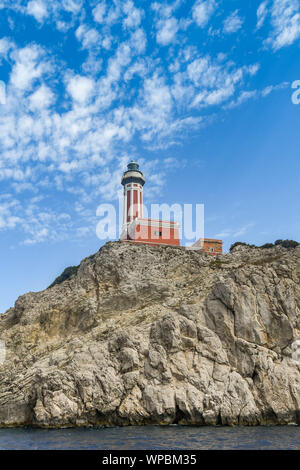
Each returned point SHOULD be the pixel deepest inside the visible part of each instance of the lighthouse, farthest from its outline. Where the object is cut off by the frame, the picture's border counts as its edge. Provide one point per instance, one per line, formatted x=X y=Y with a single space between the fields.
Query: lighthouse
x=136 y=228
x=133 y=181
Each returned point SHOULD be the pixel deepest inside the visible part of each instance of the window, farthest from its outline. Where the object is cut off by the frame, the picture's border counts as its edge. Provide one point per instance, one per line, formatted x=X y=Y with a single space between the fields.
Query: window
x=211 y=249
x=158 y=233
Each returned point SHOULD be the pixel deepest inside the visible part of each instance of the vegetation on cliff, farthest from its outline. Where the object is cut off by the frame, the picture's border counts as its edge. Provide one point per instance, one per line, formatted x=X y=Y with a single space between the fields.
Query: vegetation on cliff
x=66 y=274
x=283 y=243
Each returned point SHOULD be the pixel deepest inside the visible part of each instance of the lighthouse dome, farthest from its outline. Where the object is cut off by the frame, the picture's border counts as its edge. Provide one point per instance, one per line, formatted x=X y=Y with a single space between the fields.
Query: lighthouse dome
x=133 y=174
x=133 y=166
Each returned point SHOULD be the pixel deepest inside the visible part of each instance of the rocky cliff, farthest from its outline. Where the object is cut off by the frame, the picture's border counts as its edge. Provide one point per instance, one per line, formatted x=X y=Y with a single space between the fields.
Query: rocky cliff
x=163 y=335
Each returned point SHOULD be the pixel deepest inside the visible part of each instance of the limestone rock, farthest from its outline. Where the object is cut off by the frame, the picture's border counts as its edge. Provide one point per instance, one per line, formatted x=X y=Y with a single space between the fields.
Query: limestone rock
x=146 y=334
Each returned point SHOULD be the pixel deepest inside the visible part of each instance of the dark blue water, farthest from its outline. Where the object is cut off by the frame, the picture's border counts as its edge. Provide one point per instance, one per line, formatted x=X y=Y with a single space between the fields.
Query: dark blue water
x=153 y=437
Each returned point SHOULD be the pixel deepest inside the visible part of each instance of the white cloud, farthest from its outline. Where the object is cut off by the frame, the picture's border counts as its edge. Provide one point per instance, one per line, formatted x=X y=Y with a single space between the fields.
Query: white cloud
x=203 y=10
x=242 y=98
x=214 y=82
x=234 y=233
x=253 y=69
x=157 y=95
x=38 y=9
x=5 y=46
x=41 y=98
x=285 y=20
x=167 y=29
x=242 y=230
x=99 y=12
x=73 y=6
x=138 y=41
x=77 y=146
x=34 y=220
x=139 y=68
x=134 y=15
x=232 y=23
x=61 y=13
x=167 y=25
x=152 y=114
x=116 y=64
x=269 y=89
x=247 y=95
x=216 y=97
x=14 y=173
x=261 y=14
x=107 y=13
x=39 y=236
x=165 y=10
x=29 y=65
x=89 y=37
x=8 y=217
x=80 y=88
x=67 y=167
x=7 y=220
x=225 y=234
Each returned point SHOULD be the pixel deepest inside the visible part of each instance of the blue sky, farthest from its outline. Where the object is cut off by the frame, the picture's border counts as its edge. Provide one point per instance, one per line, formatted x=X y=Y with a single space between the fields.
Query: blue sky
x=199 y=92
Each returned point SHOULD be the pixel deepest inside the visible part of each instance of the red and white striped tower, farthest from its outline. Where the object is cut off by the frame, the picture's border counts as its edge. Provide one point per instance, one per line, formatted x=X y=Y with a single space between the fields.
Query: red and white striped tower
x=133 y=181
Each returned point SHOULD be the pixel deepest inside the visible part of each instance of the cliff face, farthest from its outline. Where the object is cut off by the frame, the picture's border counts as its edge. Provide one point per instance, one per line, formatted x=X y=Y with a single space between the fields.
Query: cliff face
x=157 y=335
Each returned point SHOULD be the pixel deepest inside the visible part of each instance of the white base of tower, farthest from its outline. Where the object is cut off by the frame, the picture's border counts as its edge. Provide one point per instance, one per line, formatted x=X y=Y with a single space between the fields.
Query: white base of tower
x=124 y=234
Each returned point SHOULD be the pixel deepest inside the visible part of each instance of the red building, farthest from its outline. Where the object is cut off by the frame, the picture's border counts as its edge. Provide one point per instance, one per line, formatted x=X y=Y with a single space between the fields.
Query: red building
x=209 y=245
x=154 y=232
x=150 y=231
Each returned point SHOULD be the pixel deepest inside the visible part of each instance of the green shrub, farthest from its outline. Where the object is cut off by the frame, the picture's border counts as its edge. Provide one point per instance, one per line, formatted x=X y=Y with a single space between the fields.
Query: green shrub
x=287 y=243
x=267 y=245
x=66 y=274
x=284 y=243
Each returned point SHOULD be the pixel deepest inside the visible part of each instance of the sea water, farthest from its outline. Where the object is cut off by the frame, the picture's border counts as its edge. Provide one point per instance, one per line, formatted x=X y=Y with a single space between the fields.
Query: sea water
x=153 y=438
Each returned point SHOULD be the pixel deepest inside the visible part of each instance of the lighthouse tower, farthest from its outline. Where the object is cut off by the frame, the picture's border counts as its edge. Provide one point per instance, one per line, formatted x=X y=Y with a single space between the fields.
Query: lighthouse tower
x=133 y=181
x=137 y=229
